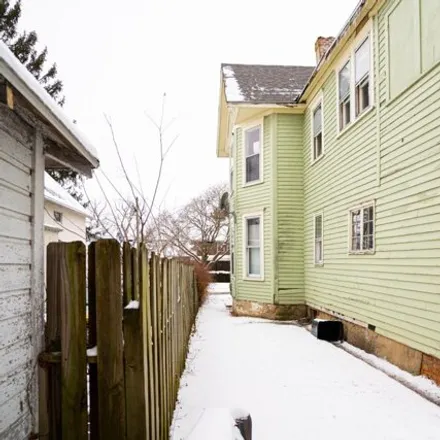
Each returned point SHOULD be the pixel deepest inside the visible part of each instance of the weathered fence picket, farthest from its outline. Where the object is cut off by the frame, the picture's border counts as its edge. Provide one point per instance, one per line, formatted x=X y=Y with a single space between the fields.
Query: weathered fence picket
x=133 y=337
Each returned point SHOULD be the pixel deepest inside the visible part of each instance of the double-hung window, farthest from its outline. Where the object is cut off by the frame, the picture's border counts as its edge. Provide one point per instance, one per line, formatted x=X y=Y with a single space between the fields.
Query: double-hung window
x=317 y=132
x=318 y=240
x=362 y=229
x=253 y=247
x=362 y=77
x=252 y=154
x=344 y=96
x=354 y=84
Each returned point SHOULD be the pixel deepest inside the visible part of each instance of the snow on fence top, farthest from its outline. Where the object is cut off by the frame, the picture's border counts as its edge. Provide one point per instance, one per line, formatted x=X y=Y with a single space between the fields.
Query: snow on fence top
x=17 y=74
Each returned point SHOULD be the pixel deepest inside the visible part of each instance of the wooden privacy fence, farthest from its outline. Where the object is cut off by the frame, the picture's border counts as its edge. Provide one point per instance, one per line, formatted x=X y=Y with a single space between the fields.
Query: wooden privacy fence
x=111 y=368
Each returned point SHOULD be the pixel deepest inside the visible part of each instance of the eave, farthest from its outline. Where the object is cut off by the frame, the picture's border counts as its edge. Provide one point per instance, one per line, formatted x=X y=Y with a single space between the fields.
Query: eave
x=232 y=114
x=355 y=23
x=47 y=115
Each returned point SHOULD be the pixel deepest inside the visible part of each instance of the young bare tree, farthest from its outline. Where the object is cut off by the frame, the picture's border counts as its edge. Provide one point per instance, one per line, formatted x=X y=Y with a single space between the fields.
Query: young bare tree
x=130 y=217
x=200 y=229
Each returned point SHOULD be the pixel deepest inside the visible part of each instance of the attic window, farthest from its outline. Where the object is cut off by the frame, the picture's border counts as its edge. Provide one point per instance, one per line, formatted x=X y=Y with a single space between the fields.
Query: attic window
x=58 y=216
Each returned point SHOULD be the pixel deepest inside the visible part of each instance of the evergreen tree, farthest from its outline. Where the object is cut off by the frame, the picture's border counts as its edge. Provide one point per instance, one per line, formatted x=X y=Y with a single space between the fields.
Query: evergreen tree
x=23 y=46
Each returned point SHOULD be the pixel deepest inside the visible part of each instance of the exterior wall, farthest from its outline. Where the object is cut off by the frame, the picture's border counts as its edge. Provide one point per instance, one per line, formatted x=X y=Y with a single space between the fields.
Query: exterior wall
x=288 y=196
x=247 y=200
x=73 y=225
x=390 y=155
x=19 y=290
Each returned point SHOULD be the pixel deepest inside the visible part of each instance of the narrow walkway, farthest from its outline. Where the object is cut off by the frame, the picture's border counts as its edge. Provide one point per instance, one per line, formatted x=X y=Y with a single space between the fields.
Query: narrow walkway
x=293 y=385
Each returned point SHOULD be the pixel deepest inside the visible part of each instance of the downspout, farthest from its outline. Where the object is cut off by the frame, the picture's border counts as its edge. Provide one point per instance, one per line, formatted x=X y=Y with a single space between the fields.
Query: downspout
x=377 y=98
x=274 y=207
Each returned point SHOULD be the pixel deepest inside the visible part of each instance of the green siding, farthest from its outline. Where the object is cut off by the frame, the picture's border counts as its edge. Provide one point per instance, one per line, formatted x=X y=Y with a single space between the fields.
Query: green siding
x=252 y=199
x=290 y=210
x=391 y=155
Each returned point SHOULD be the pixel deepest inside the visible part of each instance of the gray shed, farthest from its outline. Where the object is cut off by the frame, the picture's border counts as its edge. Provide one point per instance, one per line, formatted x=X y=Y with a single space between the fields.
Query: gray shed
x=35 y=135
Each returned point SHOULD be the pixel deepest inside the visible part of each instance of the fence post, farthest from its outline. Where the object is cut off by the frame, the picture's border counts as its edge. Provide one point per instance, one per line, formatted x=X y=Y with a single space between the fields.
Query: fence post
x=92 y=341
x=53 y=338
x=127 y=272
x=72 y=291
x=111 y=386
x=145 y=303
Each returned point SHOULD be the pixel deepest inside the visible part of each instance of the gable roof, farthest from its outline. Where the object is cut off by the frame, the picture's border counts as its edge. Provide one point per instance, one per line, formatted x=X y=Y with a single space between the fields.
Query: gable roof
x=264 y=84
x=55 y=193
x=22 y=80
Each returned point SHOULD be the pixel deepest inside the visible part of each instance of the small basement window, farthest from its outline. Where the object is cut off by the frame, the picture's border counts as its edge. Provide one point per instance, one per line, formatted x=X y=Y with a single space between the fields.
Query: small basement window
x=362 y=229
x=58 y=216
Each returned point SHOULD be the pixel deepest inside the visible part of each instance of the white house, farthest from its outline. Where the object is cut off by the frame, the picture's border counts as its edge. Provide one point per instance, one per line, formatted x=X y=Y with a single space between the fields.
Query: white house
x=35 y=135
x=64 y=217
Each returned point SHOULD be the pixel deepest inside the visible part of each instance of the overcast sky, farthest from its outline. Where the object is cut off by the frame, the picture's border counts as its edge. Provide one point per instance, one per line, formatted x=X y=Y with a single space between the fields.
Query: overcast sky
x=118 y=58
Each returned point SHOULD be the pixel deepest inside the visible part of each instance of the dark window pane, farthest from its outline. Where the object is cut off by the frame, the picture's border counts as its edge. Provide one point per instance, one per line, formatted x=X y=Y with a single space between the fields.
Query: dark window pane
x=253 y=168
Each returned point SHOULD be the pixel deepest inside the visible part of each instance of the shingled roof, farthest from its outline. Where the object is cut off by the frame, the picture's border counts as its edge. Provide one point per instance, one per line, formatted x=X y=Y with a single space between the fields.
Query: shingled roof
x=264 y=84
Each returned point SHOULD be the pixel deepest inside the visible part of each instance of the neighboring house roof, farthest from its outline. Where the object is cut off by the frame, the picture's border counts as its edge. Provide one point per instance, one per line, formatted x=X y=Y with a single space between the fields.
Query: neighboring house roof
x=55 y=193
x=264 y=84
x=17 y=74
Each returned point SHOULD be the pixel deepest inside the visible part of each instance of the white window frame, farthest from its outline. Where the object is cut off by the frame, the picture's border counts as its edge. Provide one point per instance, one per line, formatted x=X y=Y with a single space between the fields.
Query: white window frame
x=246 y=217
x=361 y=207
x=318 y=102
x=349 y=55
x=315 y=261
x=245 y=128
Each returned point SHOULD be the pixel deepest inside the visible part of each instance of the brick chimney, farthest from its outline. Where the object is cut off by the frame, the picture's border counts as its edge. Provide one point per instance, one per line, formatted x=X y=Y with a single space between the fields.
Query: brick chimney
x=321 y=46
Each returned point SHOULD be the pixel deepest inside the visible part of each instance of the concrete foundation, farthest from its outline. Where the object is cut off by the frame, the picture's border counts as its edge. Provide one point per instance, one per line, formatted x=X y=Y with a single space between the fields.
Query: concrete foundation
x=269 y=311
x=406 y=358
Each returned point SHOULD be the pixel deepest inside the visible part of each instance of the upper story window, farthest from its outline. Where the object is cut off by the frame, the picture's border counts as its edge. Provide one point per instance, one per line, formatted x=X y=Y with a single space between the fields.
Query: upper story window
x=252 y=150
x=354 y=84
x=362 y=77
x=317 y=128
x=362 y=229
x=344 y=96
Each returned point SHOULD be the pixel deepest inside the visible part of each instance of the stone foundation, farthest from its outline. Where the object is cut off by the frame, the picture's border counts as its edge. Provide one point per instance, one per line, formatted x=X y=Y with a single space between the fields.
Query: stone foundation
x=269 y=311
x=406 y=358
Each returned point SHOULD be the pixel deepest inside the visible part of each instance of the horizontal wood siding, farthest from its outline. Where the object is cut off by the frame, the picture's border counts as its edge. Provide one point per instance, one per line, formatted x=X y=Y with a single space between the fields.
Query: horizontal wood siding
x=15 y=276
x=247 y=200
x=391 y=155
x=290 y=209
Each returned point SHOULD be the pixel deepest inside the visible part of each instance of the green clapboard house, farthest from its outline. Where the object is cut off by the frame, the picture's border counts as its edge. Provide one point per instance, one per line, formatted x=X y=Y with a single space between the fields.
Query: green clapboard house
x=335 y=183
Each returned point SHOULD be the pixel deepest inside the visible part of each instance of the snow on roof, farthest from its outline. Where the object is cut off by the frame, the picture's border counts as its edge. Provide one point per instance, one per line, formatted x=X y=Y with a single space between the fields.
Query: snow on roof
x=55 y=193
x=264 y=84
x=16 y=70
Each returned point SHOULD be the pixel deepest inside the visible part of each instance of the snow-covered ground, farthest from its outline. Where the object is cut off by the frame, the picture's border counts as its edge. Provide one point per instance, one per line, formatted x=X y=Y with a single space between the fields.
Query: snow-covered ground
x=293 y=385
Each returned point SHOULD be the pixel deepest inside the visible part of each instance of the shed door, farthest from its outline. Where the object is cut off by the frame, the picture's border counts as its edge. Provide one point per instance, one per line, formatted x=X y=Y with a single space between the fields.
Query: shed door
x=15 y=281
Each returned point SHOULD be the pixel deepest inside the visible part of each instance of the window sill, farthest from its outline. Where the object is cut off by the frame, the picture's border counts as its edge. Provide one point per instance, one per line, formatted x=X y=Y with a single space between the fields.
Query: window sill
x=253 y=278
x=318 y=159
x=353 y=123
x=253 y=183
x=319 y=264
x=371 y=252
